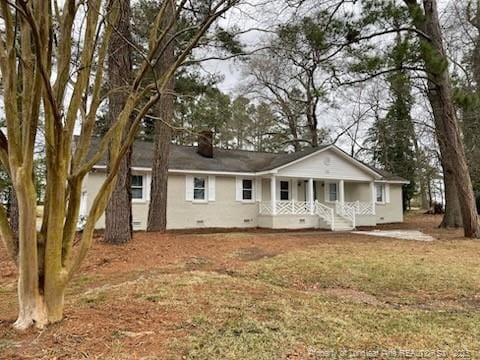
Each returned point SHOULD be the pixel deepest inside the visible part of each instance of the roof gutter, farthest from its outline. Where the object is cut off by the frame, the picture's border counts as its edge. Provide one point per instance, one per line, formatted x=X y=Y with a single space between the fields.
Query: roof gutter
x=406 y=182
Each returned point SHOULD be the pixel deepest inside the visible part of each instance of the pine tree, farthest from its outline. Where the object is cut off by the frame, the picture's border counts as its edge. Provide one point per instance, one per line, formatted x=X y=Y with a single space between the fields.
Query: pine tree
x=118 y=214
x=392 y=137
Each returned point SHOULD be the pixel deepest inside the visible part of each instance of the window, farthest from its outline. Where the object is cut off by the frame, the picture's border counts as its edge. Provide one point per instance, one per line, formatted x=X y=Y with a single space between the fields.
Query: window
x=137 y=187
x=332 y=192
x=247 y=189
x=380 y=193
x=284 y=193
x=199 y=188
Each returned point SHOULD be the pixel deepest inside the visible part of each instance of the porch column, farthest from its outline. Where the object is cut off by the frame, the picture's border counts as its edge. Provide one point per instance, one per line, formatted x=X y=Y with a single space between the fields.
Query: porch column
x=273 y=194
x=310 y=195
x=341 y=191
x=374 y=196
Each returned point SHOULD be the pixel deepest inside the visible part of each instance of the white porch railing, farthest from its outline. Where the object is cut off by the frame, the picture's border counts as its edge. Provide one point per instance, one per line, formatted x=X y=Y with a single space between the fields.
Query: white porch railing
x=346 y=211
x=362 y=208
x=265 y=208
x=290 y=207
x=293 y=207
x=326 y=213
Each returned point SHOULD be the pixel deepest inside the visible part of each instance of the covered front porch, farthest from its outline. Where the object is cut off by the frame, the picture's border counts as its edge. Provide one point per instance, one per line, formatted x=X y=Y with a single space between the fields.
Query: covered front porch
x=336 y=204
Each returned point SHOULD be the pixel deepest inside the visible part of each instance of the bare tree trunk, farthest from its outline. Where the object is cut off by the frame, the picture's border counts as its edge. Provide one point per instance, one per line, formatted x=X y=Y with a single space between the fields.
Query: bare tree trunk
x=453 y=216
x=425 y=204
x=164 y=110
x=312 y=127
x=430 y=192
x=440 y=93
x=118 y=214
x=13 y=211
x=32 y=307
x=157 y=211
x=312 y=104
x=13 y=215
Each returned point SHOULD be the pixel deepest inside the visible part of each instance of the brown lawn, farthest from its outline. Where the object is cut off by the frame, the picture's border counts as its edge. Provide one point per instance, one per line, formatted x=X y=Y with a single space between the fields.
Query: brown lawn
x=261 y=295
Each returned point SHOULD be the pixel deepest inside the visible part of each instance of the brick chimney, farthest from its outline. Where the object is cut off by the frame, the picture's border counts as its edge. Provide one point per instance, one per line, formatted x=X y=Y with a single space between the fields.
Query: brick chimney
x=205 y=143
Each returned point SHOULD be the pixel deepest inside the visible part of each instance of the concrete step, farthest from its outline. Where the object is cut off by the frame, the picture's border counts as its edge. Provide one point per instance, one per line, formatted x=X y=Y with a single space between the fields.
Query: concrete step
x=342 y=224
x=349 y=223
x=340 y=219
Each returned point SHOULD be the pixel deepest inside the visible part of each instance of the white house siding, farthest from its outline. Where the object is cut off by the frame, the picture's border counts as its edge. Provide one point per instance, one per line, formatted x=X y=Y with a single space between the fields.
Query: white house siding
x=357 y=191
x=289 y=221
x=265 y=189
x=139 y=208
x=391 y=212
x=320 y=191
x=224 y=212
x=327 y=164
x=365 y=220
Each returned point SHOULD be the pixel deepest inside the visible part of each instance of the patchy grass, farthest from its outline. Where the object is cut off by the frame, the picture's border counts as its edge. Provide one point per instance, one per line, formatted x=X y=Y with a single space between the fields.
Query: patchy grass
x=261 y=296
x=393 y=271
x=258 y=321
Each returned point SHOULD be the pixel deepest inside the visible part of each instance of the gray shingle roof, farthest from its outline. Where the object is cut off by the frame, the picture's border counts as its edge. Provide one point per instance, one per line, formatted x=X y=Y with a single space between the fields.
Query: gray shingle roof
x=187 y=158
x=387 y=175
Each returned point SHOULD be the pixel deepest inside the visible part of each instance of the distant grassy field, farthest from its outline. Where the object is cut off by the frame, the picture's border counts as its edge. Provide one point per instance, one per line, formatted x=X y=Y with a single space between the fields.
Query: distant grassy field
x=264 y=296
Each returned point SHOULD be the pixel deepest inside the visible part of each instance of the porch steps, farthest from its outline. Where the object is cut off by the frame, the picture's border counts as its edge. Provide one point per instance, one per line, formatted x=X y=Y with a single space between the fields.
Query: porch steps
x=342 y=224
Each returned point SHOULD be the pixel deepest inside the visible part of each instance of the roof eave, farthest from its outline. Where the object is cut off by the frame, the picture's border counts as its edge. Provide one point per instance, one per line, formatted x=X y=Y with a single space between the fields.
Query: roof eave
x=406 y=182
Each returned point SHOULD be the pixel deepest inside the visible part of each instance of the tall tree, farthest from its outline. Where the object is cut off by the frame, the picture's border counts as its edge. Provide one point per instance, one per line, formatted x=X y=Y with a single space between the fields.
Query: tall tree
x=296 y=69
x=161 y=119
x=468 y=92
x=262 y=131
x=381 y=18
x=395 y=150
x=211 y=109
x=242 y=113
x=164 y=112
x=441 y=96
x=118 y=214
x=271 y=83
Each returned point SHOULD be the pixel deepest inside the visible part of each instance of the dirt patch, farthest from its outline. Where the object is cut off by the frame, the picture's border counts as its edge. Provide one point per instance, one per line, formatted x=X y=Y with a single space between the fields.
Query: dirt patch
x=254 y=254
x=197 y=263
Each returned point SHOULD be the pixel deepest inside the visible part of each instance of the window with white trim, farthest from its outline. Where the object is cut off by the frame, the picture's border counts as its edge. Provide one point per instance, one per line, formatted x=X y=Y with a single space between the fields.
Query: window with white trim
x=137 y=187
x=284 y=190
x=332 y=192
x=199 y=188
x=380 y=193
x=247 y=189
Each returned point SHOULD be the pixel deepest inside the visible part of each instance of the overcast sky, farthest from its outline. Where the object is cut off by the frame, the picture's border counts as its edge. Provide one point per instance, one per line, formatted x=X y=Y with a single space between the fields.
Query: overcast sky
x=261 y=14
